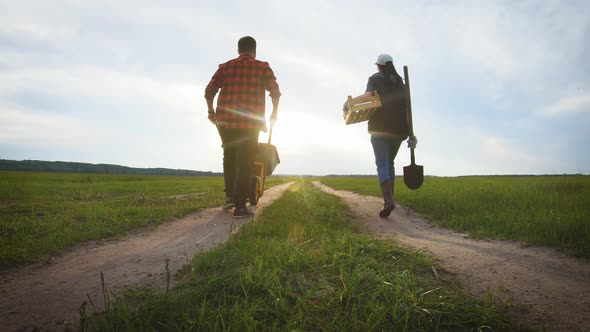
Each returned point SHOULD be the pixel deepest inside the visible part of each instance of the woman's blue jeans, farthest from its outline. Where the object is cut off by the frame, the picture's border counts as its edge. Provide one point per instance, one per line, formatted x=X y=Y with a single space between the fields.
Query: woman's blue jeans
x=385 y=149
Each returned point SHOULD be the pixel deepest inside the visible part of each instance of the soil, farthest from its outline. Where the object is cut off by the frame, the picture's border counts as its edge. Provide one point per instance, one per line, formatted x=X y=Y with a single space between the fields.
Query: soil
x=48 y=295
x=547 y=290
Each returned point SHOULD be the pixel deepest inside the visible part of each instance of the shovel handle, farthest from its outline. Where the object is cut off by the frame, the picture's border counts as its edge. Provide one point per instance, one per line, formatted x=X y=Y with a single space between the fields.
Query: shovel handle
x=409 y=109
x=409 y=103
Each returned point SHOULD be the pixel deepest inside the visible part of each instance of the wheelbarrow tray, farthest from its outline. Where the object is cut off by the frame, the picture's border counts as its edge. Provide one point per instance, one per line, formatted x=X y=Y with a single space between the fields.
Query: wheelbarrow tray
x=268 y=156
x=267 y=159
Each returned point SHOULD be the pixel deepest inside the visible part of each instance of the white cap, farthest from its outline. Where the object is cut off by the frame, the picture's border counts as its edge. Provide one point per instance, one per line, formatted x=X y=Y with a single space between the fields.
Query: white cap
x=383 y=58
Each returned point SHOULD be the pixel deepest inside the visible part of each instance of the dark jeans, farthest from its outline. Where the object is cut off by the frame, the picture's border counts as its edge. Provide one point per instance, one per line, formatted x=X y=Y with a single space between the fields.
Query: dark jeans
x=385 y=149
x=239 y=152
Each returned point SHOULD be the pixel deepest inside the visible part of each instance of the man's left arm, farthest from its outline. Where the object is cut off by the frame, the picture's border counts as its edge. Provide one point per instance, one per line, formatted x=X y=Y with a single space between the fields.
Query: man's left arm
x=275 y=109
x=210 y=92
x=275 y=93
x=210 y=110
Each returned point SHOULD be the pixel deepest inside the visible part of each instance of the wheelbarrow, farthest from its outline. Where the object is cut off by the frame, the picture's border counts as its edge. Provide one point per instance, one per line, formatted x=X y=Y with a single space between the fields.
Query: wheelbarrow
x=267 y=158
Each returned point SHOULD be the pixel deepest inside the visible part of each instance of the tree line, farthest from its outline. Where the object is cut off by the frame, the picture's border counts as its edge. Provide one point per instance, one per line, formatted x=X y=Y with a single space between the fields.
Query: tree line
x=76 y=167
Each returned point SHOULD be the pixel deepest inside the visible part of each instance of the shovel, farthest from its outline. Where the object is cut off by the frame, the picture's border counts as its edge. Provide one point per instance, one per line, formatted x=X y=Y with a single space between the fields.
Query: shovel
x=413 y=174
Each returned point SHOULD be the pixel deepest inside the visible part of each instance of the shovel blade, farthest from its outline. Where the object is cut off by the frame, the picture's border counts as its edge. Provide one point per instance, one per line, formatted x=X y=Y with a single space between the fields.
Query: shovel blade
x=413 y=176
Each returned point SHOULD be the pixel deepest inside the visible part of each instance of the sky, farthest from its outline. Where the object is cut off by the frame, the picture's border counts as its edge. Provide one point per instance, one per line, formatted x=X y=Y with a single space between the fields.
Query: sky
x=498 y=87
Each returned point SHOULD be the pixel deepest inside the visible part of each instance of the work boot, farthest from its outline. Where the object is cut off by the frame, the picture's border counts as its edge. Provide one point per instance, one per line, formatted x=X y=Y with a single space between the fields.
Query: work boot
x=242 y=212
x=392 y=192
x=388 y=204
x=229 y=204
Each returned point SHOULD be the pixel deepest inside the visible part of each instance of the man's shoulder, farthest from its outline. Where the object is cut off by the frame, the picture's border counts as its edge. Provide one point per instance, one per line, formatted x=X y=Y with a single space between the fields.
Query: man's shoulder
x=229 y=62
x=261 y=63
x=245 y=59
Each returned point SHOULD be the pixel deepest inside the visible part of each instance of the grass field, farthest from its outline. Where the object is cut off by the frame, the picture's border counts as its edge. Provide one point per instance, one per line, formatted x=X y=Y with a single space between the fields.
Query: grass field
x=303 y=267
x=539 y=210
x=43 y=213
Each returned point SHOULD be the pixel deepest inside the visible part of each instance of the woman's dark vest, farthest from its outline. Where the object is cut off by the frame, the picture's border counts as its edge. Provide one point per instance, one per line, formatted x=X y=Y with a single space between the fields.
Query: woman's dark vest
x=392 y=118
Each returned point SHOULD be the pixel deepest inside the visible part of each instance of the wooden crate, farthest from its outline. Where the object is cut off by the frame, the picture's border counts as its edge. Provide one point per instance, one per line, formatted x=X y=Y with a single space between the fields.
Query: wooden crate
x=360 y=112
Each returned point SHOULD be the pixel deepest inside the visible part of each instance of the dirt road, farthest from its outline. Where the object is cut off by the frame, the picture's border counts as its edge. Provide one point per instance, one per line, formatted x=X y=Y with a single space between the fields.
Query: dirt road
x=548 y=289
x=49 y=295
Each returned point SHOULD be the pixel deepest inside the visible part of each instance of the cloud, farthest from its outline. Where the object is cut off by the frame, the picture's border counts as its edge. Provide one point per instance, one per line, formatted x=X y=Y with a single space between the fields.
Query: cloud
x=30 y=24
x=103 y=114
x=579 y=103
x=24 y=126
x=324 y=72
x=514 y=42
x=102 y=84
x=500 y=149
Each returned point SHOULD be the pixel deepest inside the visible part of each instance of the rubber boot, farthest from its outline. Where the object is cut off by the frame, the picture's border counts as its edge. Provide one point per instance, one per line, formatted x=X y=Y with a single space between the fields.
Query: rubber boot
x=388 y=204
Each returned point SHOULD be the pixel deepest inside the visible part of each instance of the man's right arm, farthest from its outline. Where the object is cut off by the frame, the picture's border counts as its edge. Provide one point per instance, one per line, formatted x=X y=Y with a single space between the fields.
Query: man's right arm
x=275 y=109
x=272 y=87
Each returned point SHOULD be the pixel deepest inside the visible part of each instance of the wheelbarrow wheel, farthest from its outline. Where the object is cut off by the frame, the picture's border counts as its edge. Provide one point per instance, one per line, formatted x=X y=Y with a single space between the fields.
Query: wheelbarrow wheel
x=254 y=194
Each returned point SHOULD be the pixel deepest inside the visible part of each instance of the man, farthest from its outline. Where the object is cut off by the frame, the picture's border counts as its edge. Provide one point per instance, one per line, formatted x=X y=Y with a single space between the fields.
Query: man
x=240 y=116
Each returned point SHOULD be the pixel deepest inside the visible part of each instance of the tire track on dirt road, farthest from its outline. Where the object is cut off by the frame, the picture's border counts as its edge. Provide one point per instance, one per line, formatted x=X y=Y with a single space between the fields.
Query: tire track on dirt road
x=49 y=296
x=548 y=289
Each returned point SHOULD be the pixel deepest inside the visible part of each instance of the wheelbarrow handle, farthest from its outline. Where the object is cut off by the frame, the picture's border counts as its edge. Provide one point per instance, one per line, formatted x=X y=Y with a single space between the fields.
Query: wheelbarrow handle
x=272 y=124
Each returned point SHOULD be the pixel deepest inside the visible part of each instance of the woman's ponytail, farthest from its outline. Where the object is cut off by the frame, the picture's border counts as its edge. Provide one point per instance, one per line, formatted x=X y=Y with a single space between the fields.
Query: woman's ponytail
x=390 y=71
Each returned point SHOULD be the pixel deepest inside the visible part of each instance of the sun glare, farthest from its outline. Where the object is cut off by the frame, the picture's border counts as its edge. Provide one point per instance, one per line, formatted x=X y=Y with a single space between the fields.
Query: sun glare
x=297 y=130
x=289 y=132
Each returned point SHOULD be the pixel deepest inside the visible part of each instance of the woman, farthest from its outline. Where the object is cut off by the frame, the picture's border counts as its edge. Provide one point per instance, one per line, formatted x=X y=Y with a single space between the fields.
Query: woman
x=388 y=126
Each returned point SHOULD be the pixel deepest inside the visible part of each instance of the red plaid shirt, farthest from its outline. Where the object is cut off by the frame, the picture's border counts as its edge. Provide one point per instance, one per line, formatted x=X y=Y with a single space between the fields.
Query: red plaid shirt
x=241 y=101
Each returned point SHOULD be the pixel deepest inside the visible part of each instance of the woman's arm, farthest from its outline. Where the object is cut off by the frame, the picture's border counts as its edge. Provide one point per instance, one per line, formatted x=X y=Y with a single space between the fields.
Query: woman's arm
x=362 y=98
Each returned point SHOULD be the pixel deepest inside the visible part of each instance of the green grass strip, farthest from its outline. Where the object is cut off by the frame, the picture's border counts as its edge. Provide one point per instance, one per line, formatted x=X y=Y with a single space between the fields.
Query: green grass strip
x=304 y=267
x=538 y=210
x=44 y=213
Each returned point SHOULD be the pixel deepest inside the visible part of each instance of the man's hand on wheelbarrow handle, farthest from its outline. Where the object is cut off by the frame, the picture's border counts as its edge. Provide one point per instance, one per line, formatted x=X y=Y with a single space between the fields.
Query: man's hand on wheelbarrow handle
x=273 y=117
